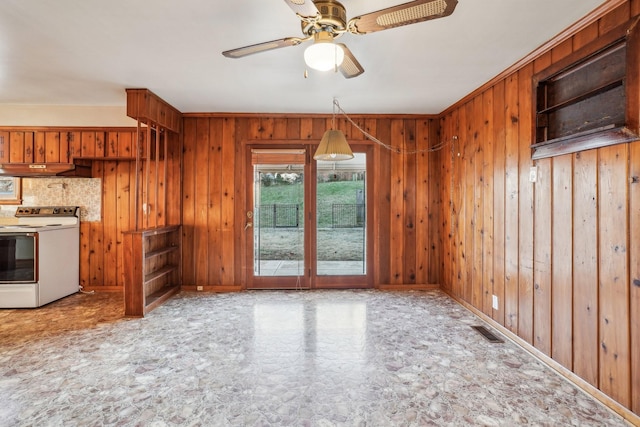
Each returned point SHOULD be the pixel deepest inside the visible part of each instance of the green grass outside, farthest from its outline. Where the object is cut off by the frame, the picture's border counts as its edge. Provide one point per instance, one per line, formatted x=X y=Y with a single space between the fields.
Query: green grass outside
x=329 y=193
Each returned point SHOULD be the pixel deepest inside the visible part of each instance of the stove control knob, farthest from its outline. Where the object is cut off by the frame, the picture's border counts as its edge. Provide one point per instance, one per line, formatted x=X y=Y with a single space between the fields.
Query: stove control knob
x=56 y=210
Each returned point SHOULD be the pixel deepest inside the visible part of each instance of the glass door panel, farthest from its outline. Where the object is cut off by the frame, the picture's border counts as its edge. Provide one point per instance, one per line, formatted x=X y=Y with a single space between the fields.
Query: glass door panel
x=341 y=217
x=278 y=236
x=275 y=225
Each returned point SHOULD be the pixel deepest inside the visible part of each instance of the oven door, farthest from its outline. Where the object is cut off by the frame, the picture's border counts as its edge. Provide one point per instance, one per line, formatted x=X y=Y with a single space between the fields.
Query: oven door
x=18 y=258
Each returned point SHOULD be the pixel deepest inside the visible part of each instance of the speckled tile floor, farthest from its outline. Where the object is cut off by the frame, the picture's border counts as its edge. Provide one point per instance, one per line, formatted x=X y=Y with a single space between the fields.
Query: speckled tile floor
x=285 y=358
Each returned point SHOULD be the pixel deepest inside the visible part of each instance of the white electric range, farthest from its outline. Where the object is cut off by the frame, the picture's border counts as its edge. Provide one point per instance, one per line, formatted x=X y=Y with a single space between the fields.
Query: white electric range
x=39 y=256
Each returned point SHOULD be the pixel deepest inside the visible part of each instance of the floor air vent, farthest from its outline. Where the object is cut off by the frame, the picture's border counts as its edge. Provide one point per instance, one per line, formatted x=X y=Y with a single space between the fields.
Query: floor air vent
x=490 y=336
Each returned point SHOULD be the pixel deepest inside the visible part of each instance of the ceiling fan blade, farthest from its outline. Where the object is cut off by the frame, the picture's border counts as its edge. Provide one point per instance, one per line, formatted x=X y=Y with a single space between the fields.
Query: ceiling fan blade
x=403 y=14
x=262 y=47
x=350 y=66
x=303 y=8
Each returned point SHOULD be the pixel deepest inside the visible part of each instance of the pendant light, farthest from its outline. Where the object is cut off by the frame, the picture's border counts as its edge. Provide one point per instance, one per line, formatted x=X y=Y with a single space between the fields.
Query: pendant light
x=333 y=145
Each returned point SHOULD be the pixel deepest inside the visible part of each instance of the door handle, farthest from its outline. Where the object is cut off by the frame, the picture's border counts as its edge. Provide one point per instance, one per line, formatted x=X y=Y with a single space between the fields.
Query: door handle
x=249 y=224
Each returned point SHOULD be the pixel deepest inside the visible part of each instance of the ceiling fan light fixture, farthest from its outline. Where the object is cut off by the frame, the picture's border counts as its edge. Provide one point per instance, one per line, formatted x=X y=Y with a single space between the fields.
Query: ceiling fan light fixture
x=323 y=54
x=333 y=147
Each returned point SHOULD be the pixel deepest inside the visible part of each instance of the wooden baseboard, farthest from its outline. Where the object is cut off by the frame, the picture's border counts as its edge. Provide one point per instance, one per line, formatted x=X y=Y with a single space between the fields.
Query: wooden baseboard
x=606 y=400
x=400 y=287
x=213 y=288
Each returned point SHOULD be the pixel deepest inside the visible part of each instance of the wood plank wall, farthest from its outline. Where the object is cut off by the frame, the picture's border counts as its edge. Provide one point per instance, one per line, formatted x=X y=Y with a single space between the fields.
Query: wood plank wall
x=112 y=151
x=561 y=254
x=214 y=182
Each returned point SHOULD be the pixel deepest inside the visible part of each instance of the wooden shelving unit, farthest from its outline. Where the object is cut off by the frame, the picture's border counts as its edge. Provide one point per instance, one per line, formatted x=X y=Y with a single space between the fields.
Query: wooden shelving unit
x=152 y=265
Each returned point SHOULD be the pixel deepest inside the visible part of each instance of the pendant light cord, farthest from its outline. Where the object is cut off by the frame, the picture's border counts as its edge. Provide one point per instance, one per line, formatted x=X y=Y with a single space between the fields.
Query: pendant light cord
x=439 y=146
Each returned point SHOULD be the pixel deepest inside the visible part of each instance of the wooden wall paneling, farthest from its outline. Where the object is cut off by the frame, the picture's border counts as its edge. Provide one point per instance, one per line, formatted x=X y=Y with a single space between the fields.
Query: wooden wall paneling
x=562 y=260
x=487 y=202
x=16 y=147
x=126 y=144
x=634 y=271
x=174 y=180
x=585 y=36
x=110 y=224
x=96 y=253
x=266 y=128
x=293 y=128
x=525 y=214
x=161 y=185
x=306 y=128
x=151 y=176
x=542 y=236
x=499 y=193
x=320 y=126
x=123 y=186
x=146 y=189
x=74 y=142
x=217 y=245
x=634 y=8
x=459 y=119
x=86 y=246
x=28 y=147
x=429 y=245
x=562 y=50
x=613 y=277
x=280 y=126
x=632 y=80
x=511 y=203
x=468 y=207
x=461 y=228
x=585 y=272
x=111 y=145
x=477 y=219
x=188 y=201
x=616 y=17
x=236 y=135
x=88 y=144
x=228 y=204
x=440 y=175
x=374 y=179
x=397 y=225
x=201 y=229
x=410 y=188
x=39 y=147
x=382 y=184
x=4 y=146
x=63 y=148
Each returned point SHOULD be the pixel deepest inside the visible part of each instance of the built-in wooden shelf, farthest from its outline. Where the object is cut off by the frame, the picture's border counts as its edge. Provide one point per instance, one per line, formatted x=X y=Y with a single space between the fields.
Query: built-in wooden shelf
x=152 y=264
x=589 y=99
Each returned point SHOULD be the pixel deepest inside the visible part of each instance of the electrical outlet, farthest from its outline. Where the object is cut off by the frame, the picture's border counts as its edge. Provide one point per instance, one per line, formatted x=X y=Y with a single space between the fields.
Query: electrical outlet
x=533 y=174
x=495 y=302
x=199 y=288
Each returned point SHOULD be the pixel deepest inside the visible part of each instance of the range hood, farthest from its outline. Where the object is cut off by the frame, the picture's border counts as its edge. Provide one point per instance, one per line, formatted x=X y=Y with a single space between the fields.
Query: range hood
x=45 y=169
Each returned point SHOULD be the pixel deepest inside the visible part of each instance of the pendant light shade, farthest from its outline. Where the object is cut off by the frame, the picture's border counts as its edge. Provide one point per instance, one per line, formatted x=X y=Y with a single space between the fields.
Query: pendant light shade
x=333 y=146
x=323 y=54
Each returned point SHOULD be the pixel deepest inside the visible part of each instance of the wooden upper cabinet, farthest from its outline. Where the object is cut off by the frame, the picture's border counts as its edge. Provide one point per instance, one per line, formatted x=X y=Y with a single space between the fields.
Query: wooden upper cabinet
x=591 y=98
x=147 y=107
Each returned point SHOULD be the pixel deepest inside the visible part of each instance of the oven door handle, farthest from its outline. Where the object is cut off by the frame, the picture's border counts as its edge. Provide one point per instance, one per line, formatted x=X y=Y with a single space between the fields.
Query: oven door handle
x=15 y=234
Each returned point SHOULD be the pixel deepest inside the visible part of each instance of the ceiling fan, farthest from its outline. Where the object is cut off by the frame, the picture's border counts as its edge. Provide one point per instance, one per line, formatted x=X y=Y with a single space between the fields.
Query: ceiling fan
x=325 y=20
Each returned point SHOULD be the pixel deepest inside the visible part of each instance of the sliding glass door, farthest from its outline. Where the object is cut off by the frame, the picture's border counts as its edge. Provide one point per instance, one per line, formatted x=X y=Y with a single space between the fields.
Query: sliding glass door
x=306 y=221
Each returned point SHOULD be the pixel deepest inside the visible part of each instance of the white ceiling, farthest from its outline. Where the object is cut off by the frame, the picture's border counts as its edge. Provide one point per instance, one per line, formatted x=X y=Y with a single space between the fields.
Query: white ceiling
x=86 y=52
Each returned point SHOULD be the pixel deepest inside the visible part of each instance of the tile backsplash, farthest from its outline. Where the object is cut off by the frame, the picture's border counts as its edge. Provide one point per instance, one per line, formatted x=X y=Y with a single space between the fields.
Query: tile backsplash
x=83 y=192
